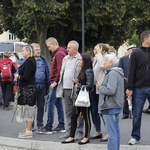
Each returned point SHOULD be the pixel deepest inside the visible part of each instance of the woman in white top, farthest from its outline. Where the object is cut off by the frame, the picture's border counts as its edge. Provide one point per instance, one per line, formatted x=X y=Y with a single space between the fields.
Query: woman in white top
x=99 y=72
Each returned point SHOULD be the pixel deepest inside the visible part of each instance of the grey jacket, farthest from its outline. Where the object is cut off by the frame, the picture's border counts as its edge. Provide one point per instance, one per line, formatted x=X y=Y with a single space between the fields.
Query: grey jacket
x=112 y=89
x=77 y=68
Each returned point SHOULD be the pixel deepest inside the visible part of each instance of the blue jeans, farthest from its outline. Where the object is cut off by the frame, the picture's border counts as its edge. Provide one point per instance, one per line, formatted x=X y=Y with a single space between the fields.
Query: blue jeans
x=53 y=101
x=138 y=100
x=113 y=131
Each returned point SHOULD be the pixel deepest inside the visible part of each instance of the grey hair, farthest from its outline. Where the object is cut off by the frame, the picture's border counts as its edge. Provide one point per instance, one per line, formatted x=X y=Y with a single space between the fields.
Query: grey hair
x=112 y=58
x=75 y=44
x=35 y=45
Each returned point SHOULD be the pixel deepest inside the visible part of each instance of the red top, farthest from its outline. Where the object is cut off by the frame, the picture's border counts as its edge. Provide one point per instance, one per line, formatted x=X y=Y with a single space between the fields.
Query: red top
x=13 y=68
x=58 y=56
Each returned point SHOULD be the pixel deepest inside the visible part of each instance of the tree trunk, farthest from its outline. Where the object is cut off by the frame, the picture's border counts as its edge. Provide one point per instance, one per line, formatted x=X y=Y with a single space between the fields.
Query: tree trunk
x=42 y=36
x=41 y=40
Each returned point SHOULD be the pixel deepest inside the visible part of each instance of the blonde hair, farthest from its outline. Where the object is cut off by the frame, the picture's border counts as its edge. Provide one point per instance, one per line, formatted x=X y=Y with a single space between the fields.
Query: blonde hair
x=30 y=49
x=52 y=40
x=105 y=47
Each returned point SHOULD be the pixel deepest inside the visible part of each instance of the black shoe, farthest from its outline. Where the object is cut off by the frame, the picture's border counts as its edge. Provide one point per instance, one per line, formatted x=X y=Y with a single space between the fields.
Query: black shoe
x=82 y=143
x=44 y=131
x=103 y=140
x=66 y=142
x=59 y=129
x=97 y=137
x=147 y=111
x=125 y=117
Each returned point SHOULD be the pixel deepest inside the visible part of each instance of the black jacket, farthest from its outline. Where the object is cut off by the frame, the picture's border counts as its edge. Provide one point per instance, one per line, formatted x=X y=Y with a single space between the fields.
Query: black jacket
x=27 y=72
x=139 y=68
x=88 y=82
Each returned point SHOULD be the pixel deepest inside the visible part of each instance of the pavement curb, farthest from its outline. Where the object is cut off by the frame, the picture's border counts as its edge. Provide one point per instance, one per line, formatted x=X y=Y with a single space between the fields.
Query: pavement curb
x=24 y=144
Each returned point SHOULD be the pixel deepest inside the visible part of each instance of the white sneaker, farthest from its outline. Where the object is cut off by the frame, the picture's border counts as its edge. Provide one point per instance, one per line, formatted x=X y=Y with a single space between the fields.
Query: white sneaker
x=132 y=141
x=25 y=135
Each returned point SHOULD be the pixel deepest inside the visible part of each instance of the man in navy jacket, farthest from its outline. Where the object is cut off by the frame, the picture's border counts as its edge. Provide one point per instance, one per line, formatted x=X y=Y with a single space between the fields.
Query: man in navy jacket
x=42 y=83
x=124 y=64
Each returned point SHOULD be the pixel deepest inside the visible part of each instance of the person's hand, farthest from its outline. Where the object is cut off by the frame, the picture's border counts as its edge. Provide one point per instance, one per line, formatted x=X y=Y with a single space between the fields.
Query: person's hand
x=98 y=84
x=16 y=76
x=53 y=85
x=99 y=50
x=129 y=93
x=75 y=81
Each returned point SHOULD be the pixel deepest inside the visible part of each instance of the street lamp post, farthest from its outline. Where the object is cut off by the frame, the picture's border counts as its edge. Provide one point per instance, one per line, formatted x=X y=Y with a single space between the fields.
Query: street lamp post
x=83 y=28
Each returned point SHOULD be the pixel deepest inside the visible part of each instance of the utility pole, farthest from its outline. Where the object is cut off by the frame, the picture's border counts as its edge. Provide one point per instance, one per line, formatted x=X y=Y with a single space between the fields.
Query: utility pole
x=83 y=28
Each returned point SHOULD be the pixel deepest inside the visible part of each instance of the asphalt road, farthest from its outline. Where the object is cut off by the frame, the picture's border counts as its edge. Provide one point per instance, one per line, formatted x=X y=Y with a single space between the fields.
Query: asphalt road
x=11 y=129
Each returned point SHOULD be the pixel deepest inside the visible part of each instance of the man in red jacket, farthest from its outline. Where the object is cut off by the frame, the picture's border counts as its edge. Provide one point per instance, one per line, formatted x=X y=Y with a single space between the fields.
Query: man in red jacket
x=58 y=54
x=7 y=68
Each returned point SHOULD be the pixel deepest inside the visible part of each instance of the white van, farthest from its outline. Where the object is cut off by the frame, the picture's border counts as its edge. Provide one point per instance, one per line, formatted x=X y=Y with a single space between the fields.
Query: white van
x=12 y=47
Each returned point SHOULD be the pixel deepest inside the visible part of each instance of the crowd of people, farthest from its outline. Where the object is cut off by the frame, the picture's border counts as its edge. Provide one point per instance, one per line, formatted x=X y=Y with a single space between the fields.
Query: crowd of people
x=110 y=83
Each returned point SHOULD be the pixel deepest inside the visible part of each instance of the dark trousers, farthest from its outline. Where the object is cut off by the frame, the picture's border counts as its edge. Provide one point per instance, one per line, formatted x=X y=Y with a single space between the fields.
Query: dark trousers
x=94 y=99
x=86 y=116
x=149 y=103
x=125 y=106
x=7 y=92
x=40 y=102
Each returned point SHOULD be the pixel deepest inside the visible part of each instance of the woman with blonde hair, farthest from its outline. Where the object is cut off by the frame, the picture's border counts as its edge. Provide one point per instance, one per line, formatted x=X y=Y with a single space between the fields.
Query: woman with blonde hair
x=26 y=101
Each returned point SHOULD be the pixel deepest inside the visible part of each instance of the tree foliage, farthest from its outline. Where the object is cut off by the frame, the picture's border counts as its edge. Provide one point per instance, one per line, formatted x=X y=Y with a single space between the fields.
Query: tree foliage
x=32 y=17
x=107 y=21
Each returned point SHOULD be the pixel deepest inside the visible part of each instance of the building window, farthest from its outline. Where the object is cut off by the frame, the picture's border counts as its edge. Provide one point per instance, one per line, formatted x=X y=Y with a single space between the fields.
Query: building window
x=11 y=36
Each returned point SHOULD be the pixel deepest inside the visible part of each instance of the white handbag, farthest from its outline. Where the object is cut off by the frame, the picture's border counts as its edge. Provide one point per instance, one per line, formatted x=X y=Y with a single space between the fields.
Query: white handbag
x=83 y=99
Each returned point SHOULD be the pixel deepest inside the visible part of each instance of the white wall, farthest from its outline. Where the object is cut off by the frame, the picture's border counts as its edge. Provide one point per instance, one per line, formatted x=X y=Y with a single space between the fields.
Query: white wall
x=122 y=50
x=7 y=36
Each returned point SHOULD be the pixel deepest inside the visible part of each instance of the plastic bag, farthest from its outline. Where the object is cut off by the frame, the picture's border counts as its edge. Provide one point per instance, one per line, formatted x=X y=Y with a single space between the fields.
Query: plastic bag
x=83 y=99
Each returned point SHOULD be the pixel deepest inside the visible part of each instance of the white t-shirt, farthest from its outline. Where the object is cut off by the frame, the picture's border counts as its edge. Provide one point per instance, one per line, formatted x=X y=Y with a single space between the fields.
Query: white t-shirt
x=69 y=73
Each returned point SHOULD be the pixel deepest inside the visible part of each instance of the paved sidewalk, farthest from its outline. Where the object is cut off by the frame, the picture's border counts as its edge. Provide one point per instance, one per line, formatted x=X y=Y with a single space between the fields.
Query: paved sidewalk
x=9 y=132
x=19 y=144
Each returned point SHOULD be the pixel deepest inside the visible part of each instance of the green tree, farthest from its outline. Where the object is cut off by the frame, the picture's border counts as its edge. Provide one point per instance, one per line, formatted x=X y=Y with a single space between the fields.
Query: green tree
x=33 y=18
x=107 y=21
x=101 y=18
x=39 y=15
x=8 y=18
x=135 y=39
